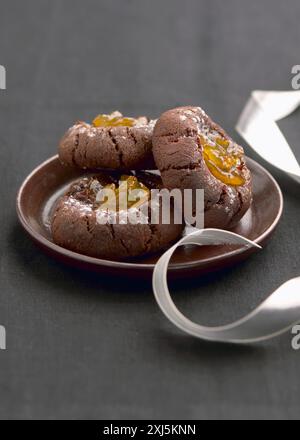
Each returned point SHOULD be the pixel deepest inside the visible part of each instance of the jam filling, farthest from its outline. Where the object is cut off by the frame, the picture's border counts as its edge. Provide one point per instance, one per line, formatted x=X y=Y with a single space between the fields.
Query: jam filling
x=115 y=119
x=129 y=194
x=224 y=159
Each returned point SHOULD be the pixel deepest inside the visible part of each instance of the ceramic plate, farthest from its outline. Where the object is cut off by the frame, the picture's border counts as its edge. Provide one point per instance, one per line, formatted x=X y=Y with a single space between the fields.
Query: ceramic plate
x=41 y=189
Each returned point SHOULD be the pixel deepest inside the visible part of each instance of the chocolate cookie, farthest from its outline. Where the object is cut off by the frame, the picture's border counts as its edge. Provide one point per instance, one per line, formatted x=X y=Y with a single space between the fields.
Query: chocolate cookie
x=192 y=151
x=110 y=142
x=87 y=221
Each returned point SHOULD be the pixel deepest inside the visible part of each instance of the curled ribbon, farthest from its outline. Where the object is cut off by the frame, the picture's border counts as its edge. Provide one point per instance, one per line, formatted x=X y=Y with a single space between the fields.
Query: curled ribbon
x=275 y=315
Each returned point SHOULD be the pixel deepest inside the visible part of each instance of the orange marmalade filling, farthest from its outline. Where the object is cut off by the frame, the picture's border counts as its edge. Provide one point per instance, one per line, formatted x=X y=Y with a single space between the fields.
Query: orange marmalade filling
x=130 y=193
x=115 y=119
x=224 y=162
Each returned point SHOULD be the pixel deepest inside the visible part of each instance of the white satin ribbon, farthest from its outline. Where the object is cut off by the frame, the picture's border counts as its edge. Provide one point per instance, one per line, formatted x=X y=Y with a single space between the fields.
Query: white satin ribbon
x=257 y=125
x=275 y=315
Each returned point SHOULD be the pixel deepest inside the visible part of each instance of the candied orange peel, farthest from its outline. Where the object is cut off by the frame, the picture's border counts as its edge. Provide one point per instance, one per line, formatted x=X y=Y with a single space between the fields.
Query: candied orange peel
x=130 y=193
x=224 y=162
x=115 y=119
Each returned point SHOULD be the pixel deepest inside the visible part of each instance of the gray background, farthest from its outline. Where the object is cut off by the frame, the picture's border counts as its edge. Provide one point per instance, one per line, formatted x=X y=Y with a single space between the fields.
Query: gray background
x=81 y=345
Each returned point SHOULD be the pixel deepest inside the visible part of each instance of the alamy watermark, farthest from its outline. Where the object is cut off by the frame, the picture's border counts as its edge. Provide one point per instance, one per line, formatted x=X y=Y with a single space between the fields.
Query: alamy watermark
x=296 y=338
x=128 y=205
x=2 y=338
x=296 y=78
x=2 y=78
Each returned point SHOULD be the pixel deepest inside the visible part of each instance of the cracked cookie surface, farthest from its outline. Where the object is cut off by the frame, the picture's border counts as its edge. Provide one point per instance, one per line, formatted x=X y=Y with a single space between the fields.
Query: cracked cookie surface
x=193 y=152
x=110 y=142
x=75 y=222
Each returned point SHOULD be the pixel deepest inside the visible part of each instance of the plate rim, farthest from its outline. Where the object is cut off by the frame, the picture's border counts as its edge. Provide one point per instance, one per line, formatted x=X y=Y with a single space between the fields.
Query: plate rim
x=129 y=265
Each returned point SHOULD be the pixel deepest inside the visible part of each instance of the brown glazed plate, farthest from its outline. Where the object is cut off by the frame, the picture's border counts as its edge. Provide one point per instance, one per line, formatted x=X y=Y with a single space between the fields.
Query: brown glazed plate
x=41 y=189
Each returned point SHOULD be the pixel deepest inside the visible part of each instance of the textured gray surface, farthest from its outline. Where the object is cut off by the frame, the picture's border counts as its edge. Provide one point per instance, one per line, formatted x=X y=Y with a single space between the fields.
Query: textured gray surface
x=79 y=345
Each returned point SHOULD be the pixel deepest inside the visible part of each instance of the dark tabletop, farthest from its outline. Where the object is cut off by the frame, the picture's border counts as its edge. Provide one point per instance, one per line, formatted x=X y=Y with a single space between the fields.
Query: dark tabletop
x=81 y=345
